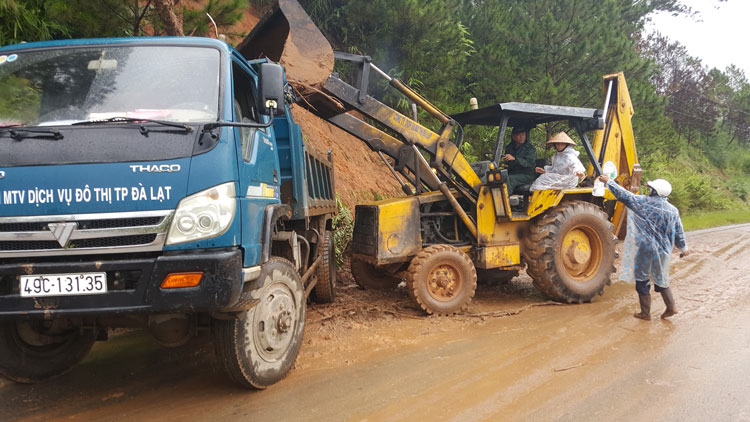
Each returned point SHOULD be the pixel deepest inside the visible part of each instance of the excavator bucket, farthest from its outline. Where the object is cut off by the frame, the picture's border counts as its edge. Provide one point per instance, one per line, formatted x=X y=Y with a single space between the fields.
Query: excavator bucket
x=287 y=35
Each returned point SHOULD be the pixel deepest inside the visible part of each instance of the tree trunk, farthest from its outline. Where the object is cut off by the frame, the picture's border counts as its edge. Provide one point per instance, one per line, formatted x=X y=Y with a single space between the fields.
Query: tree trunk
x=139 y=15
x=170 y=13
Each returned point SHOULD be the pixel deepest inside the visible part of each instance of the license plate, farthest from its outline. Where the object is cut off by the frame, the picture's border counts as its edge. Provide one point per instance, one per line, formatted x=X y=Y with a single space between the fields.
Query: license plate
x=63 y=284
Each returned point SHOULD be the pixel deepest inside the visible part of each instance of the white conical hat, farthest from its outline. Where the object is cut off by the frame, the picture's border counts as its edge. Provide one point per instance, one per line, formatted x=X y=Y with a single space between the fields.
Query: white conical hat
x=561 y=138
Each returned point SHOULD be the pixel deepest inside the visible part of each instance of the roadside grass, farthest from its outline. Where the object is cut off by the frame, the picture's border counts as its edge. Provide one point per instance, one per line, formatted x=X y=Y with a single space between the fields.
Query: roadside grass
x=715 y=218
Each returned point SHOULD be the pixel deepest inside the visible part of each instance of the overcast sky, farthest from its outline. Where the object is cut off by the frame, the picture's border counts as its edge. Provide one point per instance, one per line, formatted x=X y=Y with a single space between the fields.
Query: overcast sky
x=718 y=36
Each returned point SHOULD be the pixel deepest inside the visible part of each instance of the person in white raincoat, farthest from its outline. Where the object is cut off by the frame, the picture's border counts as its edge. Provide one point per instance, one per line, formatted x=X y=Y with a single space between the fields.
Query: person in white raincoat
x=654 y=229
x=566 y=169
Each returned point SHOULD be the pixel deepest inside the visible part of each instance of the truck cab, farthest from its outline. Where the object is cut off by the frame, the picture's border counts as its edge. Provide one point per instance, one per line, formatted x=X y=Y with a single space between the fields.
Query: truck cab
x=160 y=183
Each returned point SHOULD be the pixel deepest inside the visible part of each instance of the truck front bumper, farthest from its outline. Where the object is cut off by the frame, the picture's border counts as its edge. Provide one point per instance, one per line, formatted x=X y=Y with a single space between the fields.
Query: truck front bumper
x=133 y=285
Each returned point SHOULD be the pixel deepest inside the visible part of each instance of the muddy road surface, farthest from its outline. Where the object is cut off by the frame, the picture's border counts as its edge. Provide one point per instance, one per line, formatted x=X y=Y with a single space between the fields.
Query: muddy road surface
x=371 y=356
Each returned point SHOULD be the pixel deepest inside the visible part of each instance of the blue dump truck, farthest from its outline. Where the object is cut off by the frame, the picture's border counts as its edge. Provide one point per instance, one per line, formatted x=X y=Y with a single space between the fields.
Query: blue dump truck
x=158 y=183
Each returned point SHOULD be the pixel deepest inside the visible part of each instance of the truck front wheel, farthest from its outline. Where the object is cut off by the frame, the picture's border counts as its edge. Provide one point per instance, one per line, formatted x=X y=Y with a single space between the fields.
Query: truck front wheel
x=32 y=351
x=259 y=347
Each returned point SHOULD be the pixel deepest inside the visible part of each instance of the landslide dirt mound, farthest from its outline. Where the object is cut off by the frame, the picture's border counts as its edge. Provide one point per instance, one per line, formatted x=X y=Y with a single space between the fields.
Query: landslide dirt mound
x=360 y=173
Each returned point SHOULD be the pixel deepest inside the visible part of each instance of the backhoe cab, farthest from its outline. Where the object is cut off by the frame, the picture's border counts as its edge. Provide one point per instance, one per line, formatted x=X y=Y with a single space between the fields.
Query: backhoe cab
x=515 y=205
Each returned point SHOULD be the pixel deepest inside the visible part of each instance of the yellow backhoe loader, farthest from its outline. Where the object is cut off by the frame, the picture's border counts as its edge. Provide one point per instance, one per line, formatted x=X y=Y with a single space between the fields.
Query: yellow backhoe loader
x=456 y=216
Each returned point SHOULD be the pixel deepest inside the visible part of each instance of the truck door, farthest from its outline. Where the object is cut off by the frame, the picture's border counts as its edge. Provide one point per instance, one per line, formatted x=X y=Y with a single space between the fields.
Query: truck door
x=258 y=162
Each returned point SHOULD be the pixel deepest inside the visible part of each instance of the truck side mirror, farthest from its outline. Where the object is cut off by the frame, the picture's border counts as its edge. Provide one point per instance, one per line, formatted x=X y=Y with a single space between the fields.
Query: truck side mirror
x=271 y=89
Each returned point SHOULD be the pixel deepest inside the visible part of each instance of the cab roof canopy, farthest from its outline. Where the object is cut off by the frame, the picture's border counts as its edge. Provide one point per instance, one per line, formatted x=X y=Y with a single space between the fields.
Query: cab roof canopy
x=529 y=115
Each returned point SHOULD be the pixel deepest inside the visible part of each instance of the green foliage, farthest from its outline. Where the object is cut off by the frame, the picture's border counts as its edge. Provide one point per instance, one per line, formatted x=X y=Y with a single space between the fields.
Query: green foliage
x=224 y=13
x=692 y=124
x=704 y=220
x=27 y=20
x=343 y=228
x=39 y=20
x=422 y=42
x=87 y=19
x=20 y=100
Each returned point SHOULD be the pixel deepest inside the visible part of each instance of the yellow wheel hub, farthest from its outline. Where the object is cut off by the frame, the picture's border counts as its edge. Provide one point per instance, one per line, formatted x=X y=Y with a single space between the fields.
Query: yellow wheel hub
x=444 y=283
x=581 y=253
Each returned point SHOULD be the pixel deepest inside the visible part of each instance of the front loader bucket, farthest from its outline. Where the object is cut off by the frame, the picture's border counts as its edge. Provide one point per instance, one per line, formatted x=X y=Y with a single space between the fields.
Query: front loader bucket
x=287 y=35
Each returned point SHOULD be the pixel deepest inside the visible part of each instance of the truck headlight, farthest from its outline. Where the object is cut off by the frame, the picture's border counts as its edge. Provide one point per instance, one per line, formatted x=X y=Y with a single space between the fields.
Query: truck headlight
x=205 y=214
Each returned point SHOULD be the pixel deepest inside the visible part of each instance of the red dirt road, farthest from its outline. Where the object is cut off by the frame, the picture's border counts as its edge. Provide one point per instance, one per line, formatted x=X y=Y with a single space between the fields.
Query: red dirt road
x=372 y=356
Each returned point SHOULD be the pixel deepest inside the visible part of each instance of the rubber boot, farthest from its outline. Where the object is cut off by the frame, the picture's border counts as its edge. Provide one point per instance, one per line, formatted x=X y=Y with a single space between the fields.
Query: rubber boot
x=666 y=294
x=645 y=312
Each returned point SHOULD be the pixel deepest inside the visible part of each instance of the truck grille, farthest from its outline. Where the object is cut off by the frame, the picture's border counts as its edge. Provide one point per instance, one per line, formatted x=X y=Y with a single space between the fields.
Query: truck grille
x=84 y=234
x=84 y=224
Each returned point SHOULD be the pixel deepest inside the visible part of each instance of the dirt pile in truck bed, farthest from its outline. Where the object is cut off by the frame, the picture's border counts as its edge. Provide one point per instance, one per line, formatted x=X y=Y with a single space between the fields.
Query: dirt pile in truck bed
x=360 y=173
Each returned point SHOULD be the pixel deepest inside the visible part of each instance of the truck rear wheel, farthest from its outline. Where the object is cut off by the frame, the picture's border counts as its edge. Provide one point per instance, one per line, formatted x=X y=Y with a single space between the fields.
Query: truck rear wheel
x=36 y=350
x=259 y=347
x=442 y=279
x=570 y=252
x=324 y=292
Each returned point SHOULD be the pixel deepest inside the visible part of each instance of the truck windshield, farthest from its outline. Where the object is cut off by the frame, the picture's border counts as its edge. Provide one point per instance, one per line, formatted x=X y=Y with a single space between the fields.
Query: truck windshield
x=56 y=87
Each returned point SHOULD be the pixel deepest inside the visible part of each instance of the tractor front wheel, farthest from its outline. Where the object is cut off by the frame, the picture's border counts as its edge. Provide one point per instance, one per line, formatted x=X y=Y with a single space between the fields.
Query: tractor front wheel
x=442 y=279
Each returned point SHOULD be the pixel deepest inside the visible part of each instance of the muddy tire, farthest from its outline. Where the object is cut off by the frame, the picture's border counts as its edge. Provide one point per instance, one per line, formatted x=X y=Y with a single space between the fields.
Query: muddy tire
x=570 y=252
x=370 y=277
x=30 y=352
x=324 y=292
x=259 y=347
x=441 y=279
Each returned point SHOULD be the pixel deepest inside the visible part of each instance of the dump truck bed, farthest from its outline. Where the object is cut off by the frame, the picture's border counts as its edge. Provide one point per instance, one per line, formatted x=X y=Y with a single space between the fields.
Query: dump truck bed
x=311 y=193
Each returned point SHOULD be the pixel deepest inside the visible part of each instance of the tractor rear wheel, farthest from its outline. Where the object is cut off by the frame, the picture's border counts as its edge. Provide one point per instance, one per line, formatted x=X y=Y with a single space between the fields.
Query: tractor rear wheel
x=570 y=252
x=442 y=279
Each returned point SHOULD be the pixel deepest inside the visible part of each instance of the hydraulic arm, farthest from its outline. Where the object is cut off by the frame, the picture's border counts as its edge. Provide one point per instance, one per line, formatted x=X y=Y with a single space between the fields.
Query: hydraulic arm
x=445 y=157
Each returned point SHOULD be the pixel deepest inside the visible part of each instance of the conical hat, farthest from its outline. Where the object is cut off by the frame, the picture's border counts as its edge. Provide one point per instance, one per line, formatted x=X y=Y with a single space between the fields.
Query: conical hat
x=561 y=138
